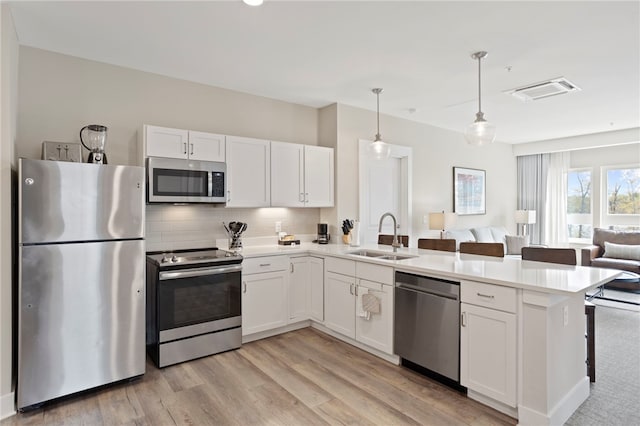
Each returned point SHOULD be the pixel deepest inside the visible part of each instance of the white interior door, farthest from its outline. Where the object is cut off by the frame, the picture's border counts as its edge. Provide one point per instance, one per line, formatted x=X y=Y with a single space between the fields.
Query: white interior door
x=384 y=187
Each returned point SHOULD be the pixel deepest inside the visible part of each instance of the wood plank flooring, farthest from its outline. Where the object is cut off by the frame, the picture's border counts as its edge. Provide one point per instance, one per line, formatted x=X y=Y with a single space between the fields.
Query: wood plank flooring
x=304 y=377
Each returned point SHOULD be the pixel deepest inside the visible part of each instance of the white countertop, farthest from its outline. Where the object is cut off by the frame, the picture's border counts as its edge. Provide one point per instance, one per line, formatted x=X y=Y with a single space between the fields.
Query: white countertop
x=507 y=271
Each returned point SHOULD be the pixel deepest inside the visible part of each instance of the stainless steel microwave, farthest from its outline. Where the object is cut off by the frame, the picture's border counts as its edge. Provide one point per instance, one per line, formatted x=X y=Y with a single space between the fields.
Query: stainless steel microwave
x=185 y=181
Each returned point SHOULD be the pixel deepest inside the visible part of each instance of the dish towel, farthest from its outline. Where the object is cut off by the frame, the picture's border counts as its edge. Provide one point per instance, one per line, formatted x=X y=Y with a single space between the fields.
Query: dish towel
x=370 y=305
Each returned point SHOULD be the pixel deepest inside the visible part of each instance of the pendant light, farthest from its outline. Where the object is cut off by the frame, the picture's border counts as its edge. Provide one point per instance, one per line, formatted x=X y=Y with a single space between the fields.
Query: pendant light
x=480 y=132
x=378 y=149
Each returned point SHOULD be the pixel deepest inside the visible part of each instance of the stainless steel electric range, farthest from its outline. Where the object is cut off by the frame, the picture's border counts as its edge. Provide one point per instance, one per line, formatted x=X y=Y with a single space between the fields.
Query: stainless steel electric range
x=194 y=306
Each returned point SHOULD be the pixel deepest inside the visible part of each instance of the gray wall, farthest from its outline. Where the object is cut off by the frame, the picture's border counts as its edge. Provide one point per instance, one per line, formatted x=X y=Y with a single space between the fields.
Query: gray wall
x=8 y=100
x=54 y=105
x=435 y=152
x=72 y=92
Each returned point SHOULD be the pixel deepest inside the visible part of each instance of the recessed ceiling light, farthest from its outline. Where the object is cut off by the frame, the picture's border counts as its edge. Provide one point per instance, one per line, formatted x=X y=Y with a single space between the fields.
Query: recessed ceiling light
x=253 y=2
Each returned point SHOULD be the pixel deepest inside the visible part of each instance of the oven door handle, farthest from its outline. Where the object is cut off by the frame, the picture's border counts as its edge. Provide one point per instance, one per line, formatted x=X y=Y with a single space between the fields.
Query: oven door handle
x=174 y=275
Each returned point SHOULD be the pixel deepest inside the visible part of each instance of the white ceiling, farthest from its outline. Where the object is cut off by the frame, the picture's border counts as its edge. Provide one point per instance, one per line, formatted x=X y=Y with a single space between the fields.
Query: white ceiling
x=318 y=53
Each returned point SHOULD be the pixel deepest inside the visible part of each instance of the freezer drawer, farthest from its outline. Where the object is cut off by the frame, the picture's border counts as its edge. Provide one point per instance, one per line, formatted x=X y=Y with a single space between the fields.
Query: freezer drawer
x=63 y=201
x=81 y=317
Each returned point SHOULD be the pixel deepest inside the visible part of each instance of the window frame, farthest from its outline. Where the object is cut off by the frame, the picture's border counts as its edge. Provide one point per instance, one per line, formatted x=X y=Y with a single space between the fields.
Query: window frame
x=581 y=218
x=614 y=220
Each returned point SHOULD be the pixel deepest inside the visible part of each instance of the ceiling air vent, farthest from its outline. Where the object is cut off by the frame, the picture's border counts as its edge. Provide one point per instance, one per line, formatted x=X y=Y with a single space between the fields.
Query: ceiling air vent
x=556 y=86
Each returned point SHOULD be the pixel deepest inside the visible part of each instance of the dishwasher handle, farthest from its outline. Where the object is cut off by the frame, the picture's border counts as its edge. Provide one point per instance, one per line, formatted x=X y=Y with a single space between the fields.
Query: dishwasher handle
x=416 y=289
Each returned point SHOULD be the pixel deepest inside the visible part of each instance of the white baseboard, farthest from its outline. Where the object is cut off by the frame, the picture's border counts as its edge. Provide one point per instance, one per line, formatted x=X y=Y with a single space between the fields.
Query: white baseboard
x=394 y=359
x=7 y=406
x=496 y=405
x=561 y=412
x=268 y=333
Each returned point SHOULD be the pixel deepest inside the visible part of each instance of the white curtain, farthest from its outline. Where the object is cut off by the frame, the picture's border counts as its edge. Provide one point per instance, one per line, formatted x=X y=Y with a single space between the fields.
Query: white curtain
x=555 y=230
x=532 y=189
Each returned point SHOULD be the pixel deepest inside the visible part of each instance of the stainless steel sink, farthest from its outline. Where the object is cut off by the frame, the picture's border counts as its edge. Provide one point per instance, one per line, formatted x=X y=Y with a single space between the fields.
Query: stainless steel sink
x=396 y=257
x=381 y=255
x=368 y=253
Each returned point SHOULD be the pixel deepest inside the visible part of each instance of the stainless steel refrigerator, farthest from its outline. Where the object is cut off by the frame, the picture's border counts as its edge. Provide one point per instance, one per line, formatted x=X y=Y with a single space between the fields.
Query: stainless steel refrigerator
x=81 y=304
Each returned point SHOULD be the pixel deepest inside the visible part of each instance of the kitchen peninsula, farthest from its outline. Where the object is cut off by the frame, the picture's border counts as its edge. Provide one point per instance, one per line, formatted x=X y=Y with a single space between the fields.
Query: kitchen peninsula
x=523 y=344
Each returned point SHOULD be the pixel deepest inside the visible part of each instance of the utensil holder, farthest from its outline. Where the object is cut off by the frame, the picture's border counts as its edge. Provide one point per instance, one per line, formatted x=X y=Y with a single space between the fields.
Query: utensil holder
x=235 y=243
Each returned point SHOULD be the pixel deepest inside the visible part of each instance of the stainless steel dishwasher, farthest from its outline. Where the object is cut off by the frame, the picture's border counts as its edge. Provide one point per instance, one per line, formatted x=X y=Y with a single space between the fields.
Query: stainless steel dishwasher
x=427 y=323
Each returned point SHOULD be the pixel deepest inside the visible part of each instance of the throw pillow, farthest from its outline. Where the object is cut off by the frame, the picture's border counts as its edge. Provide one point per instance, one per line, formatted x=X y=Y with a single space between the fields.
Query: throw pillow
x=621 y=251
x=515 y=243
x=483 y=235
x=460 y=235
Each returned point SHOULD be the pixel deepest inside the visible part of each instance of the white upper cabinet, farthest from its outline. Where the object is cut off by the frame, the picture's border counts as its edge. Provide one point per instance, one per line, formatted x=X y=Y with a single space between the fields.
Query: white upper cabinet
x=248 y=172
x=178 y=143
x=287 y=174
x=165 y=142
x=301 y=175
x=206 y=146
x=318 y=176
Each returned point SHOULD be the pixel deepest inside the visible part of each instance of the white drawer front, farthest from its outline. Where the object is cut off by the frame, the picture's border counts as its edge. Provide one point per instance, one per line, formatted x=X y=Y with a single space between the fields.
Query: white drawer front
x=340 y=266
x=488 y=295
x=257 y=265
x=377 y=273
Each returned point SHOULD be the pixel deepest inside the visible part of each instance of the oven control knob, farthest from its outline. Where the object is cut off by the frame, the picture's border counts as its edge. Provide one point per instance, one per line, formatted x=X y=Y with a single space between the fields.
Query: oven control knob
x=174 y=258
x=165 y=259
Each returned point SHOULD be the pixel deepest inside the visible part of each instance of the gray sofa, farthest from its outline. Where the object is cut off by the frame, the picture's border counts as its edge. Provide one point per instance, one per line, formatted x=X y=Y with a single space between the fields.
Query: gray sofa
x=596 y=254
x=488 y=234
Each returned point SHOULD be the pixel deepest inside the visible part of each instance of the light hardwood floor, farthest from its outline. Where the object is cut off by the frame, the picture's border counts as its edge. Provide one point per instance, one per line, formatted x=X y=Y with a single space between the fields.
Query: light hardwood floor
x=299 y=378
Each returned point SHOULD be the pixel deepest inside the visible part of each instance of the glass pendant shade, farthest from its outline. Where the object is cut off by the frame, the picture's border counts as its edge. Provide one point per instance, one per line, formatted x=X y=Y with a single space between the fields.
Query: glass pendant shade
x=378 y=149
x=480 y=132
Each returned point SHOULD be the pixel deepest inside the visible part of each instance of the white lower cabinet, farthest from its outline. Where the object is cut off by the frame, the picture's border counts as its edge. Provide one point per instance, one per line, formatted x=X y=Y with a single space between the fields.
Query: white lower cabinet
x=488 y=341
x=264 y=293
x=346 y=284
x=316 y=288
x=306 y=289
x=375 y=330
x=340 y=306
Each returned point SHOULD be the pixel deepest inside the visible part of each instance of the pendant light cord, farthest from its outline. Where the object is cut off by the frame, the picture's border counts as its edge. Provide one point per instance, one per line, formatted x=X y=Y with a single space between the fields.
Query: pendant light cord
x=479 y=91
x=378 y=111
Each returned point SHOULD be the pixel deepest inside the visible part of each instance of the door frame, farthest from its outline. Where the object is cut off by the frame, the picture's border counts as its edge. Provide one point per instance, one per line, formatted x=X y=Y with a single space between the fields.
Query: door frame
x=404 y=153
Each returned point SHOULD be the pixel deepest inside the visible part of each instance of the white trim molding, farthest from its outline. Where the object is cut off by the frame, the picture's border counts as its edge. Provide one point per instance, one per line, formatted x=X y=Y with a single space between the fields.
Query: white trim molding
x=7 y=406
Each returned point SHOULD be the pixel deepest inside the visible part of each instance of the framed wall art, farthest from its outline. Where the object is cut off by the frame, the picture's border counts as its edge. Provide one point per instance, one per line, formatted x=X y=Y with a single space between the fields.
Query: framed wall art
x=469 y=191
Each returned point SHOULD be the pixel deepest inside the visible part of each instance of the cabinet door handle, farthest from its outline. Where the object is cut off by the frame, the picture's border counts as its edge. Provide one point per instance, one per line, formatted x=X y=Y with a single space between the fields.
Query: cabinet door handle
x=265 y=264
x=244 y=286
x=185 y=148
x=228 y=196
x=292 y=268
x=191 y=149
x=306 y=197
x=356 y=290
x=351 y=289
x=301 y=197
x=488 y=296
x=463 y=319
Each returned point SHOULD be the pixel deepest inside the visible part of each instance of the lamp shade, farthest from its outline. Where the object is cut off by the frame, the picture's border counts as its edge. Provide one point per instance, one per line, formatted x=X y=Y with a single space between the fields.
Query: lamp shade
x=525 y=216
x=480 y=133
x=441 y=220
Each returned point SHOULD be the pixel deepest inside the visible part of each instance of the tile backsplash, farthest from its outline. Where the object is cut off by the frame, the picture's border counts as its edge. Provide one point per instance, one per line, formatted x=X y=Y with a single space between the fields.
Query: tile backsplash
x=170 y=227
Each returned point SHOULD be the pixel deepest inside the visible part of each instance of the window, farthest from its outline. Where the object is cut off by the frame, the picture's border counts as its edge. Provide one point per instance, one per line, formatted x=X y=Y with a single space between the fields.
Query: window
x=622 y=205
x=579 y=217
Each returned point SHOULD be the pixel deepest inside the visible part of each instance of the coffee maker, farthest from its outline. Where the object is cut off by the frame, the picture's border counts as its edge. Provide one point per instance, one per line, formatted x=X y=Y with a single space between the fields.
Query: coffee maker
x=323 y=233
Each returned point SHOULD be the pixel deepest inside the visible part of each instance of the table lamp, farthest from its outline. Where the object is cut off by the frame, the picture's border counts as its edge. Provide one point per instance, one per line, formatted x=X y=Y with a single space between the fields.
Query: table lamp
x=441 y=221
x=524 y=218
